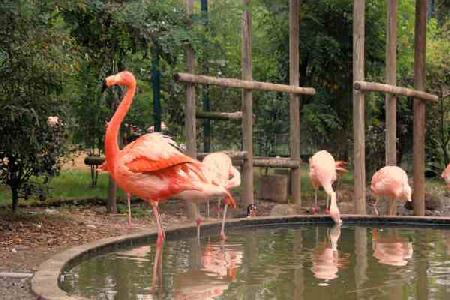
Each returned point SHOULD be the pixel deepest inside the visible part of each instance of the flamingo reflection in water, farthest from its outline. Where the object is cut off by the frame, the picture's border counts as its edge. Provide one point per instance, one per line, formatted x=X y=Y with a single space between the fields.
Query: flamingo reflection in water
x=219 y=268
x=391 y=249
x=326 y=259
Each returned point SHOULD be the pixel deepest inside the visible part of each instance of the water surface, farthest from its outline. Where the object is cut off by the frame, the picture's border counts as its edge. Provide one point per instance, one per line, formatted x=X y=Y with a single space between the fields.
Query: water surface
x=302 y=262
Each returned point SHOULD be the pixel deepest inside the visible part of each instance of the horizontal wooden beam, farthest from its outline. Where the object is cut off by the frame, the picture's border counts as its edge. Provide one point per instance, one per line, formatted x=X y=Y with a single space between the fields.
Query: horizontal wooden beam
x=94 y=160
x=244 y=84
x=237 y=115
x=366 y=86
x=235 y=155
x=274 y=162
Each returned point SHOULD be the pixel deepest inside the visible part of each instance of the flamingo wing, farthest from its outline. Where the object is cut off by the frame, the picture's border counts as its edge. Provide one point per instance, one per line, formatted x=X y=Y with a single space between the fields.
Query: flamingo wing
x=154 y=153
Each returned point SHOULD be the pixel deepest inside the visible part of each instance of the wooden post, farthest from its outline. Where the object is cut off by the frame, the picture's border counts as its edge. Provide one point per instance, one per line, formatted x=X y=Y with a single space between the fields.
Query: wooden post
x=391 y=101
x=247 y=110
x=191 y=145
x=391 y=74
x=294 y=79
x=419 y=108
x=359 y=157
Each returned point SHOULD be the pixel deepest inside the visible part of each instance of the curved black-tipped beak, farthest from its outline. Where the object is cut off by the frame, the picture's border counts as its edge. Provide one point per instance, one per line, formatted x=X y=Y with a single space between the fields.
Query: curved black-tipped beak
x=104 y=86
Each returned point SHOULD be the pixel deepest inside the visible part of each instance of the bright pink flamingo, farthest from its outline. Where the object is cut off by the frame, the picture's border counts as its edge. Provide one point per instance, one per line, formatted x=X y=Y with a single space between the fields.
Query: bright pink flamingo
x=446 y=175
x=151 y=167
x=391 y=182
x=322 y=171
x=218 y=168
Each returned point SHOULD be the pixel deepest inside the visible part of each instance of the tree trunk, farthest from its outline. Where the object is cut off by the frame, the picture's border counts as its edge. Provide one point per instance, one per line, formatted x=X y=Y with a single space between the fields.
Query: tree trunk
x=15 y=198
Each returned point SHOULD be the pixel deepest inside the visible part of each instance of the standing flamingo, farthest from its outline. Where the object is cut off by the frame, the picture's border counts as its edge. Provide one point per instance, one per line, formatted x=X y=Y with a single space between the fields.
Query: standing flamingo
x=322 y=171
x=218 y=168
x=446 y=175
x=151 y=167
x=392 y=182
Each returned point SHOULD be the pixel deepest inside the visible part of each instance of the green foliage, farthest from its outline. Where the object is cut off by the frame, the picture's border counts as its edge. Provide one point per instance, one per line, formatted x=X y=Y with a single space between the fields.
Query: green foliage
x=34 y=47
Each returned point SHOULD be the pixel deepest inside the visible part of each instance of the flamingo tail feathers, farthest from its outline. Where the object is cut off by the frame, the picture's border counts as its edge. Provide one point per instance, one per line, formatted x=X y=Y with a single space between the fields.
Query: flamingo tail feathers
x=341 y=166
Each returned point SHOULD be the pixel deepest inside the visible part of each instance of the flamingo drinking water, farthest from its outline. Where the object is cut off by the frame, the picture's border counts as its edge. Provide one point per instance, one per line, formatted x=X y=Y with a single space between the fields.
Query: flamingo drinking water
x=392 y=182
x=322 y=171
x=218 y=168
x=151 y=167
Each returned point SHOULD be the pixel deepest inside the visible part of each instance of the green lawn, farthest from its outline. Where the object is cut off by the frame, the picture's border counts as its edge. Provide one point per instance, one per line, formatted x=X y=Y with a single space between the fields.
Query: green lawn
x=73 y=184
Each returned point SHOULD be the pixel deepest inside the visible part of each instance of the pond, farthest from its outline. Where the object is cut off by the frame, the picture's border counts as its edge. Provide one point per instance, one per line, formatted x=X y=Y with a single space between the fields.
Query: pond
x=295 y=262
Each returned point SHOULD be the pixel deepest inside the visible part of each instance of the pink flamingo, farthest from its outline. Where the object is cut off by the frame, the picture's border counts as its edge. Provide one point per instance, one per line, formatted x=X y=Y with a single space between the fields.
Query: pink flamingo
x=446 y=175
x=151 y=167
x=392 y=182
x=322 y=171
x=218 y=168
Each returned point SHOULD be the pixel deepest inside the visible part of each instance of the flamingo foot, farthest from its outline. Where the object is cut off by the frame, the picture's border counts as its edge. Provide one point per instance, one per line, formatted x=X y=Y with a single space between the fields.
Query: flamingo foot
x=314 y=210
x=327 y=211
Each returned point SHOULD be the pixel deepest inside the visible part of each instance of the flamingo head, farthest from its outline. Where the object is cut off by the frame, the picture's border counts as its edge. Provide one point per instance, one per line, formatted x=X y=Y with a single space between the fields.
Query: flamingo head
x=124 y=78
x=407 y=192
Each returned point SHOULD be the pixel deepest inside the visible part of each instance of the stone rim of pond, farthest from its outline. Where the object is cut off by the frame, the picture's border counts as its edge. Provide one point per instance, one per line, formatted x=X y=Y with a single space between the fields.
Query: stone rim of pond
x=45 y=281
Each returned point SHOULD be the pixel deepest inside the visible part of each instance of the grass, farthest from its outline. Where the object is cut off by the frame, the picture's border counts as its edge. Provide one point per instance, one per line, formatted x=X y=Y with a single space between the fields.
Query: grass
x=70 y=185
x=76 y=185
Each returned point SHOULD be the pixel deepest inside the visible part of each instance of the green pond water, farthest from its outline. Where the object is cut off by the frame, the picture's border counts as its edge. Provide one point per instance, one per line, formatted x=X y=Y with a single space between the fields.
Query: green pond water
x=301 y=262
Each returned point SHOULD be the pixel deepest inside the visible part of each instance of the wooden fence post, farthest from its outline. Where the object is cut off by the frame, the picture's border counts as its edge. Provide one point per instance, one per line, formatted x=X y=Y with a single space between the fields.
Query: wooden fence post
x=294 y=79
x=247 y=106
x=419 y=108
x=359 y=157
x=191 y=143
x=391 y=74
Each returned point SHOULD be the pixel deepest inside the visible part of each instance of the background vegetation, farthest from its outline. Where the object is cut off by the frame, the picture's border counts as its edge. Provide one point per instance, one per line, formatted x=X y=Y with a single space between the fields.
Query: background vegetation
x=55 y=54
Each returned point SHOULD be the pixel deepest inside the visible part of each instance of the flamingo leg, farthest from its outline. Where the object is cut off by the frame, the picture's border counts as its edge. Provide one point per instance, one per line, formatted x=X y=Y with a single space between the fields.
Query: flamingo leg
x=129 y=209
x=315 y=201
x=207 y=209
x=222 y=231
x=375 y=206
x=392 y=207
x=161 y=234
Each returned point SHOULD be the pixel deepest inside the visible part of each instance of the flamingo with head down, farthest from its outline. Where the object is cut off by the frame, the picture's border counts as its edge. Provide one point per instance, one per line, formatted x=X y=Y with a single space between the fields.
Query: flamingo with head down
x=218 y=168
x=152 y=167
x=323 y=172
x=392 y=182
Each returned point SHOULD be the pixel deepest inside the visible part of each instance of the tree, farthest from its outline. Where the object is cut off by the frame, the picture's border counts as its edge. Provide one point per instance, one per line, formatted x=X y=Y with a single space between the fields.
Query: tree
x=33 y=65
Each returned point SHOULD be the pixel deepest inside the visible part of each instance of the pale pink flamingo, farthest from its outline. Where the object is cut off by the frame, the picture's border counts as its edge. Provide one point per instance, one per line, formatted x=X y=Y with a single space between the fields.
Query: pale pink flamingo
x=218 y=168
x=446 y=175
x=391 y=249
x=151 y=167
x=323 y=172
x=391 y=182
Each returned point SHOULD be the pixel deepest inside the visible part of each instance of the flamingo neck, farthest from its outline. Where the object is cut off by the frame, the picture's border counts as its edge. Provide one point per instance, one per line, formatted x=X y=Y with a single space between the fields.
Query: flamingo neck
x=112 y=132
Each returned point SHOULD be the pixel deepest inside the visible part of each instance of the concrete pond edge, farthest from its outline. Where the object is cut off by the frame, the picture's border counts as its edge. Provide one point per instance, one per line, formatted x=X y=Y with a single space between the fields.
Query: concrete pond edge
x=44 y=283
